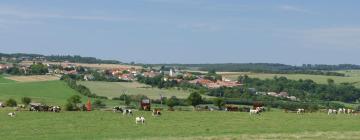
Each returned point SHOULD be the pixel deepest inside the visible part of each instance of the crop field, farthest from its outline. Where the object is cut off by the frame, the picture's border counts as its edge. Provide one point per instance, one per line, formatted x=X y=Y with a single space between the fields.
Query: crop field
x=106 y=125
x=33 y=78
x=115 y=89
x=351 y=76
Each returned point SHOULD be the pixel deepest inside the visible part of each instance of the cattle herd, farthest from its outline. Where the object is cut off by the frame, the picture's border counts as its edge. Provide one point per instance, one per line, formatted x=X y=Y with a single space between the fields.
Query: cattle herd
x=37 y=107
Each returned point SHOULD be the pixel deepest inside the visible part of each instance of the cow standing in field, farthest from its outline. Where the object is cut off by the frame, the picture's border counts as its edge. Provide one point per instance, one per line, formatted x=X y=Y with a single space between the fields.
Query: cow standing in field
x=156 y=112
x=127 y=112
x=117 y=109
x=12 y=114
x=256 y=111
x=140 y=120
x=300 y=110
x=332 y=112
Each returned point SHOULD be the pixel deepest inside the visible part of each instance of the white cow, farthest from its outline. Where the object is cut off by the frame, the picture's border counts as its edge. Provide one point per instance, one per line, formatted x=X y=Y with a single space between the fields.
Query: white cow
x=140 y=120
x=300 y=110
x=332 y=111
x=12 y=114
x=256 y=111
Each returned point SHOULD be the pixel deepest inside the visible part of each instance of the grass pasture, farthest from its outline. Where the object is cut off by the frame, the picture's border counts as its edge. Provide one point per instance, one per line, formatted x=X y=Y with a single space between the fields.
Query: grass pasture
x=47 y=92
x=102 y=125
x=114 y=89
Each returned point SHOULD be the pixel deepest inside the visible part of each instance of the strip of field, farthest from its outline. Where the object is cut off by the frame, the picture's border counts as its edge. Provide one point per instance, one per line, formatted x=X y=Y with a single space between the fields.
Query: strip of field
x=115 y=89
x=102 y=125
x=353 y=77
x=33 y=78
x=98 y=66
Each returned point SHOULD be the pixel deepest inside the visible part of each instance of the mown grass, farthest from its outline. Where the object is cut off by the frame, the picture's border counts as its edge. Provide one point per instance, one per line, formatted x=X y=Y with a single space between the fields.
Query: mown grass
x=102 y=125
x=115 y=89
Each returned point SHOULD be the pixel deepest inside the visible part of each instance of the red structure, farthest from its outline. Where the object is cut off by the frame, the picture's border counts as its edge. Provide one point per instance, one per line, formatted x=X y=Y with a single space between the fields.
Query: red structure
x=145 y=104
x=88 y=105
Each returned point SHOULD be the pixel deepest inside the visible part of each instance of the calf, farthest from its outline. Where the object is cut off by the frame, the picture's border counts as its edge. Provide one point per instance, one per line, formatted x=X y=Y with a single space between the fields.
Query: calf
x=332 y=111
x=156 y=112
x=12 y=114
x=140 y=120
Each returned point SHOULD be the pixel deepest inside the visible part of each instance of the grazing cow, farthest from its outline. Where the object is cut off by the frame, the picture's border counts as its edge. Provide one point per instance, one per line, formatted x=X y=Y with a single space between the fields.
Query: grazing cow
x=332 y=111
x=127 y=112
x=2 y=104
x=12 y=114
x=156 y=112
x=300 y=110
x=140 y=120
x=117 y=109
x=256 y=111
x=350 y=111
x=55 y=109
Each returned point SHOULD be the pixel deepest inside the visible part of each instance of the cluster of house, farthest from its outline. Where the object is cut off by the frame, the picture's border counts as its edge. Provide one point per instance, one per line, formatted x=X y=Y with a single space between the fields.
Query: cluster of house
x=4 y=66
x=24 y=58
x=279 y=95
x=215 y=84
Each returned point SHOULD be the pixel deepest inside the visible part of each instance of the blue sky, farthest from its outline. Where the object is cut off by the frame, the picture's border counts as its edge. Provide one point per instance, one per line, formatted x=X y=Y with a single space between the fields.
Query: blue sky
x=186 y=31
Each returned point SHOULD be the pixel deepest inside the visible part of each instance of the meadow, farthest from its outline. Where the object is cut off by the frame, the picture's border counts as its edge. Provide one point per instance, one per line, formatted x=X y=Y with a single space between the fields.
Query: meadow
x=115 y=89
x=102 y=125
x=33 y=78
x=47 y=92
x=352 y=76
x=5 y=80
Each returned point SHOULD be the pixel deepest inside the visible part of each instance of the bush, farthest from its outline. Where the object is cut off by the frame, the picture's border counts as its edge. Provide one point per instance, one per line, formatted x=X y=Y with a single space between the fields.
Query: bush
x=72 y=103
x=11 y=103
x=26 y=100
x=171 y=102
x=194 y=99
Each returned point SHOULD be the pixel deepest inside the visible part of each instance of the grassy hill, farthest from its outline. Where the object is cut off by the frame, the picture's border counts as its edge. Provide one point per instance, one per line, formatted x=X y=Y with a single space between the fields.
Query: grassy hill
x=114 y=89
x=101 y=125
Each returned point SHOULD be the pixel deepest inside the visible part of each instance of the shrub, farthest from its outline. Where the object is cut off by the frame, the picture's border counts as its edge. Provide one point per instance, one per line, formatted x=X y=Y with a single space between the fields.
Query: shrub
x=72 y=103
x=194 y=99
x=26 y=100
x=171 y=102
x=11 y=103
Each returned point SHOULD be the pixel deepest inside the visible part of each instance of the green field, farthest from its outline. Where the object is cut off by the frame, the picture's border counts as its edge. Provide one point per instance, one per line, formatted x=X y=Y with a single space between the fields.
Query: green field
x=48 y=92
x=115 y=89
x=351 y=76
x=4 y=80
x=101 y=125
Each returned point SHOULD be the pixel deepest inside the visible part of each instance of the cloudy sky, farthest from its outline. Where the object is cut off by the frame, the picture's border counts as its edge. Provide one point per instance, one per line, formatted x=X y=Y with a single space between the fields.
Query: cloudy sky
x=186 y=31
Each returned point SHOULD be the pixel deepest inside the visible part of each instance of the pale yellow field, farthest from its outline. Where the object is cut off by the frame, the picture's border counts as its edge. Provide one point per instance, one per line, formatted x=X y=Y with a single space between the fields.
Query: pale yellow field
x=33 y=78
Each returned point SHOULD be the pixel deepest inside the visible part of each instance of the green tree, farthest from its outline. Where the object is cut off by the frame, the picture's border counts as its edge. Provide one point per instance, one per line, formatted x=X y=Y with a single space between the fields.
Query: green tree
x=219 y=102
x=126 y=99
x=26 y=100
x=171 y=102
x=194 y=99
x=72 y=103
x=11 y=103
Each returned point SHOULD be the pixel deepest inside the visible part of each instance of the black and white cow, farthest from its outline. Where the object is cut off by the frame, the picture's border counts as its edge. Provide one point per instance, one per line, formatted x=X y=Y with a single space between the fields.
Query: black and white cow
x=127 y=112
x=118 y=109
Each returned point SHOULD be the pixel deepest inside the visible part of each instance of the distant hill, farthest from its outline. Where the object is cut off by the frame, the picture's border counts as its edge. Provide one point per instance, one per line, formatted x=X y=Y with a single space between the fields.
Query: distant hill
x=55 y=58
